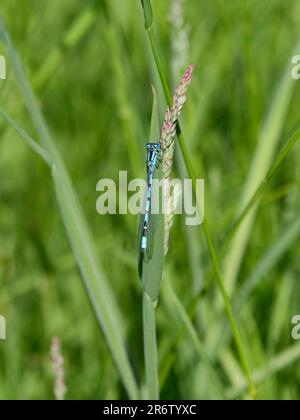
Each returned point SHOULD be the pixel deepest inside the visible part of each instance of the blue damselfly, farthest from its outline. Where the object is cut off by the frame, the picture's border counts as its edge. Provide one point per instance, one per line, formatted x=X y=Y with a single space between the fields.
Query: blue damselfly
x=153 y=160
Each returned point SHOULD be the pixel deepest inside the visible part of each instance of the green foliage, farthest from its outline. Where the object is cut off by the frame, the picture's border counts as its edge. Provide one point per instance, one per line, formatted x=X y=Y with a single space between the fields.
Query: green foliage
x=91 y=70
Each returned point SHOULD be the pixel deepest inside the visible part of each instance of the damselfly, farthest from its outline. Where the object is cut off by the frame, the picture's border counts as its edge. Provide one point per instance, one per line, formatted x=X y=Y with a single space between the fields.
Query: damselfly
x=153 y=160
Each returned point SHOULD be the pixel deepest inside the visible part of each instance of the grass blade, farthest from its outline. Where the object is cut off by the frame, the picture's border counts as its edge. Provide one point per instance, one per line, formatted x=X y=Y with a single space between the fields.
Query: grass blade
x=282 y=243
x=150 y=348
x=186 y=322
x=30 y=142
x=278 y=363
x=151 y=273
x=99 y=291
x=263 y=185
x=211 y=246
x=267 y=144
x=82 y=24
x=280 y=246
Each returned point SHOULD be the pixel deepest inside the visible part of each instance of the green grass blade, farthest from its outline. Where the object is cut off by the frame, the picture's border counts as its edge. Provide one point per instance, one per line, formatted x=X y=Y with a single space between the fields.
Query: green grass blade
x=90 y=273
x=286 y=237
x=96 y=285
x=211 y=246
x=73 y=35
x=280 y=308
x=128 y=118
x=186 y=322
x=150 y=348
x=281 y=244
x=278 y=363
x=30 y=142
x=100 y=293
x=265 y=182
x=267 y=144
x=148 y=14
x=151 y=271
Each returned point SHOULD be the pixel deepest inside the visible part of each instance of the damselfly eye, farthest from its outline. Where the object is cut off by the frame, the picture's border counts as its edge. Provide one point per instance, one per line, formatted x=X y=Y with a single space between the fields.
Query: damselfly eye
x=153 y=146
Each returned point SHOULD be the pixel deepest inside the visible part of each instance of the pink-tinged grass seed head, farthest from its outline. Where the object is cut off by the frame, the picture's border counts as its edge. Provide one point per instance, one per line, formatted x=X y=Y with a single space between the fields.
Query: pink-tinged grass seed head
x=168 y=131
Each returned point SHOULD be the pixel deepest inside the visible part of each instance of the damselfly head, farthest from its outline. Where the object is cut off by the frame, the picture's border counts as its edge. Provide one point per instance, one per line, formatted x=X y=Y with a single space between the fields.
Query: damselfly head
x=153 y=147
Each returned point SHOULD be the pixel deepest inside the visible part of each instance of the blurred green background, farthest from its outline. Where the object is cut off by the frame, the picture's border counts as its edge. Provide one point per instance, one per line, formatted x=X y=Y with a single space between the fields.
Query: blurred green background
x=91 y=68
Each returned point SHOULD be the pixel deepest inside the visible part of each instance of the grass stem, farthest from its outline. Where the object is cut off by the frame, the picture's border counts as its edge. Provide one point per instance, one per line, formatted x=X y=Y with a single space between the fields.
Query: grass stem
x=213 y=253
x=150 y=347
